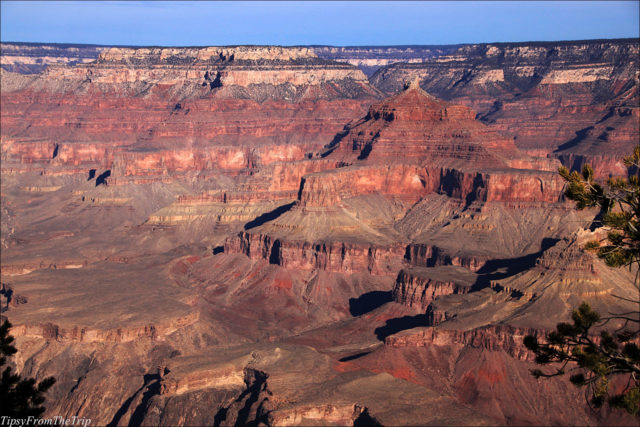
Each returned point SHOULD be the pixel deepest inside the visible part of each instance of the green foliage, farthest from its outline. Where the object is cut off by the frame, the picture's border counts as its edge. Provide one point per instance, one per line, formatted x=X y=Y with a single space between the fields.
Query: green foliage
x=19 y=398
x=620 y=210
x=596 y=362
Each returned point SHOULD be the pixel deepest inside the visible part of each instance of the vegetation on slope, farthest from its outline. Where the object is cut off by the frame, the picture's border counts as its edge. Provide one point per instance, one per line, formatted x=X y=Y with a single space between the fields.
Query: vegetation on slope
x=609 y=364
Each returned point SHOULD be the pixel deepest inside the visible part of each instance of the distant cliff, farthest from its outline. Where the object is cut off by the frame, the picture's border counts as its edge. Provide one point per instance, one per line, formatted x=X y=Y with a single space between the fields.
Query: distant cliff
x=371 y=58
x=32 y=58
x=577 y=101
x=513 y=66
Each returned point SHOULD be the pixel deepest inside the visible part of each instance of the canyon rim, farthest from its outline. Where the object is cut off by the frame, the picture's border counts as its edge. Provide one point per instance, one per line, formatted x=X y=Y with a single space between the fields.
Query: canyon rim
x=307 y=235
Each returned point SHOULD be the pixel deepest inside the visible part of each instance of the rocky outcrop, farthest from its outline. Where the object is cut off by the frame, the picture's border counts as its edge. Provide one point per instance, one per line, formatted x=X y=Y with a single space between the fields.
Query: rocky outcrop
x=50 y=331
x=417 y=287
x=335 y=414
x=397 y=148
x=332 y=256
x=414 y=126
x=411 y=183
x=328 y=188
x=546 y=94
x=425 y=255
x=252 y=406
x=549 y=287
x=32 y=58
x=492 y=338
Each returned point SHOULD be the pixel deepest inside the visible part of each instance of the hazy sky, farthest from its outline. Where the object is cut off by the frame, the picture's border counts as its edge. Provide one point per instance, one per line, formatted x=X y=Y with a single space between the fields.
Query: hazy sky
x=333 y=23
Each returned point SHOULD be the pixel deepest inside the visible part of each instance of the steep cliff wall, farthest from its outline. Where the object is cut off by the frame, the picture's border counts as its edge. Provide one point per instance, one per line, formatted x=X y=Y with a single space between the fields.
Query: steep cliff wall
x=343 y=222
x=153 y=112
x=546 y=94
x=32 y=58
x=341 y=257
x=418 y=287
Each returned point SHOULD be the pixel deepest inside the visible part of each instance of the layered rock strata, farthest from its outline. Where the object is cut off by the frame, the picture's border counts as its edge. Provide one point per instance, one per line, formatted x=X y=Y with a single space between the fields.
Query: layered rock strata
x=371 y=59
x=418 y=287
x=157 y=112
x=32 y=58
x=538 y=297
x=547 y=94
x=405 y=148
x=388 y=276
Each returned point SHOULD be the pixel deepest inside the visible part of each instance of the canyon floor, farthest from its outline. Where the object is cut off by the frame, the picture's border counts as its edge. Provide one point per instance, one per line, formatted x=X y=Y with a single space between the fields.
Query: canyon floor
x=270 y=236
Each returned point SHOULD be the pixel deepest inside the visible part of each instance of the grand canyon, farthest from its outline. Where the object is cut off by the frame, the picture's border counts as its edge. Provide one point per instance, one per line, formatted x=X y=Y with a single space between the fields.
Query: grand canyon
x=314 y=235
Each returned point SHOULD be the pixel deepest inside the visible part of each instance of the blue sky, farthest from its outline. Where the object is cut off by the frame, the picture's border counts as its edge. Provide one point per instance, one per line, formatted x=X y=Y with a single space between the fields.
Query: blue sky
x=295 y=23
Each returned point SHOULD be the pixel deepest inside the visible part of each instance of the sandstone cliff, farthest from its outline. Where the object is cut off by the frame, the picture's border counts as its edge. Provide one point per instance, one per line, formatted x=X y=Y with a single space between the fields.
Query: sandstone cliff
x=144 y=114
x=407 y=148
x=244 y=235
x=547 y=94
x=32 y=58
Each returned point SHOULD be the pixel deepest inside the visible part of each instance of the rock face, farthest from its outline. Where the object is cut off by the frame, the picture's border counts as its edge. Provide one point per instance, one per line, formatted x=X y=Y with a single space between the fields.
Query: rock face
x=603 y=144
x=345 y=257
x=371 y=59
x=417 y=124
x=258 y=235
x=32 y=58
x=560 y=278
x=418 y=287
x=550 y=96
x=449 y=152
x=153 y=112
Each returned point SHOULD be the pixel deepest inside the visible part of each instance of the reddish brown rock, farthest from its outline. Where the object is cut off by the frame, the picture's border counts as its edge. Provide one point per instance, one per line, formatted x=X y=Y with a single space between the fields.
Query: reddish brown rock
x=541 y=92
x=343 y=257
x=125 y=179
x=494 y=338
x=165 y=111
x=418 y=287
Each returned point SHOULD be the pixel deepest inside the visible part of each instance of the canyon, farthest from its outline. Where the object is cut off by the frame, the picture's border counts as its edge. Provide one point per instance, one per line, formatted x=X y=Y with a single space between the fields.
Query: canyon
x=247 y=235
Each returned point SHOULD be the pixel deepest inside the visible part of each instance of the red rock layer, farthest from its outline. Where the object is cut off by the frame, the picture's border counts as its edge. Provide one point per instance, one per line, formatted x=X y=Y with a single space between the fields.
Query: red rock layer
x=449 y=153
x=417 y=288
x=559 y=87
x=155 y=112
x=492 y=338
x=341 y=257
x=413 y=144
x=414 y=127
x=411 y=183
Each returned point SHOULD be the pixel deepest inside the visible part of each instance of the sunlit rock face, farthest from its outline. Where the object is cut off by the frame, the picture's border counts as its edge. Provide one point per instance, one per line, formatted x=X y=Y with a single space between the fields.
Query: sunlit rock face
x=577 y=101
x=245 y=235
x=405 y=148
x=32 y=58
x=163 y=111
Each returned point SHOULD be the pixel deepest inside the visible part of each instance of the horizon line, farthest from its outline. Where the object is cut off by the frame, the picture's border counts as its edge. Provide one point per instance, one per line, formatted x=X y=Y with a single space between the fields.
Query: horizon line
x=74 y=44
